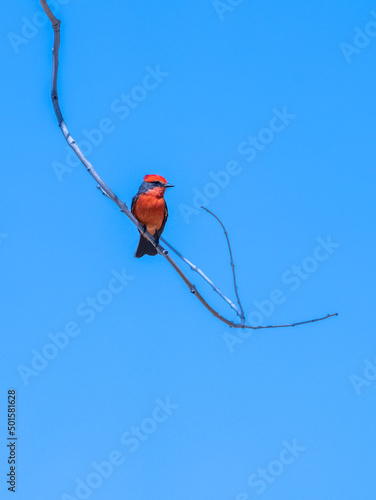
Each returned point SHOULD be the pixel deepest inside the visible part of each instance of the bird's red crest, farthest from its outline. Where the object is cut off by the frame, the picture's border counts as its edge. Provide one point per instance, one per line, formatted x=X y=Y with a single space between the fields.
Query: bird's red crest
x=154 y=178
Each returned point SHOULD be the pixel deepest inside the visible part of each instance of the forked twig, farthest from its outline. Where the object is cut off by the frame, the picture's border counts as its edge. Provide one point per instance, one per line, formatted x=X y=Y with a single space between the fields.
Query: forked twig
x=203 y=275
x=232 y=264
x=107 y=191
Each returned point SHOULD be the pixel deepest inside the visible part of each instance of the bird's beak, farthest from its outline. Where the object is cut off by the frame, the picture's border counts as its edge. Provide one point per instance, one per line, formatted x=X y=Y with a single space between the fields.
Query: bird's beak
x=168 y=186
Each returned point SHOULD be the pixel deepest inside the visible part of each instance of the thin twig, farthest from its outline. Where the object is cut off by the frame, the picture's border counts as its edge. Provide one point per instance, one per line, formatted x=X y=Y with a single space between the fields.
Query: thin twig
x=107 y=191
x=232 y=264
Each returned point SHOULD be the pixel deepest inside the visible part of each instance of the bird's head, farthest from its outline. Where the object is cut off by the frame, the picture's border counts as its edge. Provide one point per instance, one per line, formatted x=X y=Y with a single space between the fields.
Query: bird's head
x=156 y=184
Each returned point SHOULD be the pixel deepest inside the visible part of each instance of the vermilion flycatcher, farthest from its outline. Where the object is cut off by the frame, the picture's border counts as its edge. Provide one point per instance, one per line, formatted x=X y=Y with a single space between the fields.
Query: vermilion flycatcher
x=150 y=209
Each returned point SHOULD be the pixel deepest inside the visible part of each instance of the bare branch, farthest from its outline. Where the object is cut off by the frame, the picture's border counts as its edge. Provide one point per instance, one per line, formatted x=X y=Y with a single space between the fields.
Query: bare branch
x=107 y=191
x=232 y=265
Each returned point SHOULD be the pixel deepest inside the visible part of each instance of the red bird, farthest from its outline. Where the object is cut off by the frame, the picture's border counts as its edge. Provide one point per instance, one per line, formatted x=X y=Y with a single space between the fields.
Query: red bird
x=150 y=209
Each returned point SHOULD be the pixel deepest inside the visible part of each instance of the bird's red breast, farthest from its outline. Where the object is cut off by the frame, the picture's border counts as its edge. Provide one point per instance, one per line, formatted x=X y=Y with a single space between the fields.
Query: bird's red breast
x=150 y=210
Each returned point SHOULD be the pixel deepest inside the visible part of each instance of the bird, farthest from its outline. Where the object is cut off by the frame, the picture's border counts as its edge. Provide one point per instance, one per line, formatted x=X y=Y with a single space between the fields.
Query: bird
x=150 y=209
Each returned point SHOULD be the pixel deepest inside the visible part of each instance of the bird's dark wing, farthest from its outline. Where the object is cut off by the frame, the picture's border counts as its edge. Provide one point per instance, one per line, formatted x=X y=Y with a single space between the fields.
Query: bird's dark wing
x=160 y=230
x=134 y=199
x=142 y=189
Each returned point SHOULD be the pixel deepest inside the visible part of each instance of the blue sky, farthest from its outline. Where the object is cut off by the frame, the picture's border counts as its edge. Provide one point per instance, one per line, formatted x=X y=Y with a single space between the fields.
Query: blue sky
x=126 y=386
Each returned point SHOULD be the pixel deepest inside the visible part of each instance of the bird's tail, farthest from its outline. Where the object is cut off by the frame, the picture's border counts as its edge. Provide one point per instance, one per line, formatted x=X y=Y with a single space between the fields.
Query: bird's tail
x=145 y=247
